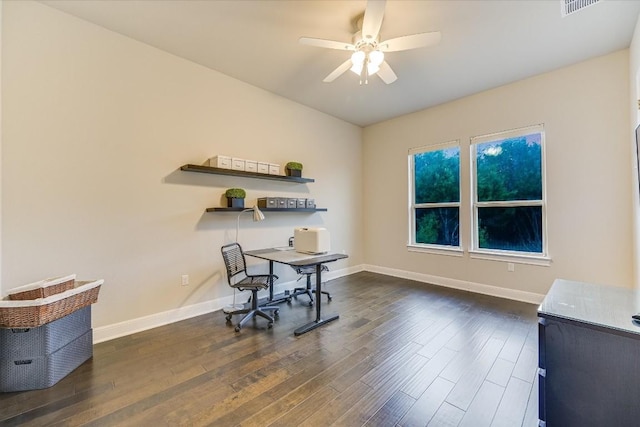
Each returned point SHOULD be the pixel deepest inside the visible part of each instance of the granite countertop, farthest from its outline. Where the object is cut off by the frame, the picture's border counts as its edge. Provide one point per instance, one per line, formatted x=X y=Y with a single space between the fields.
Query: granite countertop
x=602 y=306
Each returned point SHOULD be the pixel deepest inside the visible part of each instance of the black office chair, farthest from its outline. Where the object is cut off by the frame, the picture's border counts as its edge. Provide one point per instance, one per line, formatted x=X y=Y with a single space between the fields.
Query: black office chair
x=308 y=271
x=236 y=265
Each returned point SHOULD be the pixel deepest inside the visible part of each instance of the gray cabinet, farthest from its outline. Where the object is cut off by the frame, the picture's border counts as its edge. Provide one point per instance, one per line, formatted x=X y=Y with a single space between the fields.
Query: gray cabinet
x=589 y=356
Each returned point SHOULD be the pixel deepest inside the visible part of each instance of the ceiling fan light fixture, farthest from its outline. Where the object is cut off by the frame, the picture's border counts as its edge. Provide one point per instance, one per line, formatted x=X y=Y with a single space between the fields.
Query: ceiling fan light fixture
x=372 y=68
x=376 y=57
x=357 y=60
x=356 y=68
x=358 y=57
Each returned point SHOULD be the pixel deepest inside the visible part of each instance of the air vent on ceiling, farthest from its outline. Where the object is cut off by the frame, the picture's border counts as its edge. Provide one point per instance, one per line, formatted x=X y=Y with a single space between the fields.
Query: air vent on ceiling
x=572 y=6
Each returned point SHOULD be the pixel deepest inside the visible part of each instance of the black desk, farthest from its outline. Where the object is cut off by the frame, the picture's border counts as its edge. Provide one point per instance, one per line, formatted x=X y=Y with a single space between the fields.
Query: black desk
x=295 y=259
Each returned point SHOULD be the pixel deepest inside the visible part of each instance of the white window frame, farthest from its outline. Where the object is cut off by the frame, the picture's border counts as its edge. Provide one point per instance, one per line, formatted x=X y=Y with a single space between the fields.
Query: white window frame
x=535 y=258
x=412 y=246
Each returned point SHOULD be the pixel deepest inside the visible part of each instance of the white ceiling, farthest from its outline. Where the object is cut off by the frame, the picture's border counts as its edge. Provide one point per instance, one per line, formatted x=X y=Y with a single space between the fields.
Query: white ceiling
x=484 y=44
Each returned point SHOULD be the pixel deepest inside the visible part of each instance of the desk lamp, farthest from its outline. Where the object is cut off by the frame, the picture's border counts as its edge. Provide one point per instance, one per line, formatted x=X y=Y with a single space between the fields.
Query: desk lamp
x=257 y=216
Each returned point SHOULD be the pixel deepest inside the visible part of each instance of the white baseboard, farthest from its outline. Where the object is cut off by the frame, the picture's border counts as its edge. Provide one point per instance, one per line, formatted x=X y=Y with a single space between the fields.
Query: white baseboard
x=109 y=332
x=464 y=285
x=128 y=327
x=116 y=330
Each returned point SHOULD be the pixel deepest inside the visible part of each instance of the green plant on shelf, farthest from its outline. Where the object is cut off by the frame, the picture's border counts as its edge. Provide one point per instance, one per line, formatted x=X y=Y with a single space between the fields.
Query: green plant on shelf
x=236 y=193
x=235 y=197
x=294 y=166
x=294 y=169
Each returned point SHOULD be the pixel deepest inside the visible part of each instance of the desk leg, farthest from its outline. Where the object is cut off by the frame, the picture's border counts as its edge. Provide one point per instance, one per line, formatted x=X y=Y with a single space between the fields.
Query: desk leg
x=318 y=292
x=274 y=299
x=271 y=281
x=319 y=321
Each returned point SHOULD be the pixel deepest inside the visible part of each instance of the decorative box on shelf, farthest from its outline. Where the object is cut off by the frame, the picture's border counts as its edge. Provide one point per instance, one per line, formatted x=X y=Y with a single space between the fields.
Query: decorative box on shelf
x=274 y=169
x=222 y=162
x=268 y=202
x=263 y=168
x=284 y=203
x=237 y=164
x=251 y=166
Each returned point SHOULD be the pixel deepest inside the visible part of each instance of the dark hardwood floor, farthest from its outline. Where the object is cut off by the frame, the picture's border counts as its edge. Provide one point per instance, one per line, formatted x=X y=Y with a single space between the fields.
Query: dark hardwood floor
x=402 y=353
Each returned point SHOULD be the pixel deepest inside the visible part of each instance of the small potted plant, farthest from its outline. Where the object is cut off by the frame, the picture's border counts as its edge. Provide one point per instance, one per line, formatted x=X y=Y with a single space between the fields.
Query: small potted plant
x=294 y=169
x=235 y=197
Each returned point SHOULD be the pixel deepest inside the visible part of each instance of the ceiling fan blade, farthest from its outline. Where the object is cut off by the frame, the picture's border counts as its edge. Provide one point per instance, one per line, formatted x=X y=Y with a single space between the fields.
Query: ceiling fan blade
x=372 y=20
x=342 y=68
x=386 y=73
x=410 y=42
x=329 y=44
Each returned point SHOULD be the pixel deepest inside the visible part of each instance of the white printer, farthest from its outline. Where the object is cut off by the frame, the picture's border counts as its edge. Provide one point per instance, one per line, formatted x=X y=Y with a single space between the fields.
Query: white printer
x=312 y=240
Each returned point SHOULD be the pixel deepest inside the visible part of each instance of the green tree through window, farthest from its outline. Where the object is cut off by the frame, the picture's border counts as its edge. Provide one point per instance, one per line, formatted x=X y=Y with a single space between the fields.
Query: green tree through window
x=436 y=196
x=508 y=193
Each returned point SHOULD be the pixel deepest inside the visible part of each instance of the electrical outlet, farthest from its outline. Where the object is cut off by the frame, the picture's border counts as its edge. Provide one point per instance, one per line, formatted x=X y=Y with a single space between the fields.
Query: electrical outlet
x=511 y=266
x=185 y=279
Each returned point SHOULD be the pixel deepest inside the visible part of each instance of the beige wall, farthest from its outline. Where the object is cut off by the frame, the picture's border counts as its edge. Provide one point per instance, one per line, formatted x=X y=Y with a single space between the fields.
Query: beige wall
x=634 y=98
x=96 y=126
x=1 y=9
x=585 y=112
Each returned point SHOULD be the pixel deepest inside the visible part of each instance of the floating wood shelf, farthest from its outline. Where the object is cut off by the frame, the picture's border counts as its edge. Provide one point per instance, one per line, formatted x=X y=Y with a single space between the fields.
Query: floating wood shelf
x=309 y=210
x=231 y=172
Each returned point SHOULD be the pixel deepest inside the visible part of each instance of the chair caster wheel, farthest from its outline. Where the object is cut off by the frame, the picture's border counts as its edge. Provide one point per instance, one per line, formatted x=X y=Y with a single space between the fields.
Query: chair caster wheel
x=288 y=300
x=329 y=298
x=237 y=328
x=310 y=303
x=270 y=325
x=228 y=317
x=276 y=313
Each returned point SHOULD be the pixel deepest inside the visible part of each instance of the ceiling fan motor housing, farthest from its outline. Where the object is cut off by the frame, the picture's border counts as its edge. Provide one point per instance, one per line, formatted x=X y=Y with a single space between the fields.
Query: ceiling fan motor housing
x=366 y=45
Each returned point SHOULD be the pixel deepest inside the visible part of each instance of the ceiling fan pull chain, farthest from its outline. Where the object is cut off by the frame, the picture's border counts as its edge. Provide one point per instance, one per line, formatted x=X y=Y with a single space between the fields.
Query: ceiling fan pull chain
x=366 y=71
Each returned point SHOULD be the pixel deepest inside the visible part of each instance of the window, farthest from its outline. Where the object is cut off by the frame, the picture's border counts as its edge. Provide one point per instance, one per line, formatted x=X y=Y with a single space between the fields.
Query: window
x=435 y=194
x=508 y=192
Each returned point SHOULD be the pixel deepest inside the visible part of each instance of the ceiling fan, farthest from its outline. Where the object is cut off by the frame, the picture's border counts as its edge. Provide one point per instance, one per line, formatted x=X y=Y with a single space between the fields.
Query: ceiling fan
x=367 y=58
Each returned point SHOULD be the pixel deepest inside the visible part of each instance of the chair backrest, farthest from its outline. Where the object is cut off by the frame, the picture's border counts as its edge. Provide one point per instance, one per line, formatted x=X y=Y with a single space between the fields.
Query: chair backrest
x=233 y=260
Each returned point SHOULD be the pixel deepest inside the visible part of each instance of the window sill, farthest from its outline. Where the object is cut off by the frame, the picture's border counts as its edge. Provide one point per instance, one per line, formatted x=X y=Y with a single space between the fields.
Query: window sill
x=540 y=260
x=436 y=250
